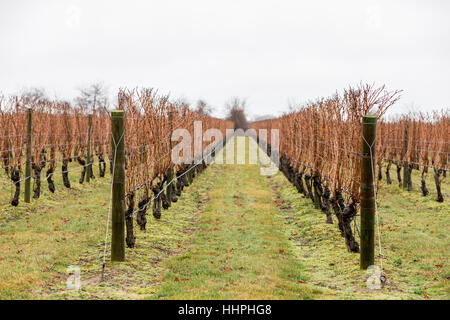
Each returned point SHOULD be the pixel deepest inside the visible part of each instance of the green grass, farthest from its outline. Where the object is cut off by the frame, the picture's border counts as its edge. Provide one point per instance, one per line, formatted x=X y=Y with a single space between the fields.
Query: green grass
x=233 y=234
x=416 y=179
x=414 y=238
x=39 y=240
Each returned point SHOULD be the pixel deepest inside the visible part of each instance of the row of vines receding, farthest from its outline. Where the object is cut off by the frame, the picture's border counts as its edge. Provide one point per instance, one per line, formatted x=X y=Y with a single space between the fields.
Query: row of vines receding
x=61 y=137
x=320 y=149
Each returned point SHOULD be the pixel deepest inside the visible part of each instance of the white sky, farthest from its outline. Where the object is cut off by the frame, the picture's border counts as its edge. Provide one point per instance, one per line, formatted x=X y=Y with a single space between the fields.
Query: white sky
x=269 y=52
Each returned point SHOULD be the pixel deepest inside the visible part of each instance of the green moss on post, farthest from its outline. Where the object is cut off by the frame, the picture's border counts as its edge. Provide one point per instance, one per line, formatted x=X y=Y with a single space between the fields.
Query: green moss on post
x=118 y=192
x=369 y=131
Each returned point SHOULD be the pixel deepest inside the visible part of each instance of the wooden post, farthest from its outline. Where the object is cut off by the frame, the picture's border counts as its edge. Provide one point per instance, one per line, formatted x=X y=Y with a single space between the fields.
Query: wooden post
x=369 y=131
x=118 y=192
x=405 y=161
x=313 y=178
x=170 y=189
x=28 y=159
x=89 y=162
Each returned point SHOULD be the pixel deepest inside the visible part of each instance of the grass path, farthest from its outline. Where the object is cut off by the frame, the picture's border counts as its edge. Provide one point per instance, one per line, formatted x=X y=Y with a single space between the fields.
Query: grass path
x=239 y=251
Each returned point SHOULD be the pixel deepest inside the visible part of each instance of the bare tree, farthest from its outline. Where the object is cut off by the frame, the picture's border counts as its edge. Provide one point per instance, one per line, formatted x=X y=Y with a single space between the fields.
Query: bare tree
x=236 y=112
x=204 y=108
x=93 y=97
x=34 y=95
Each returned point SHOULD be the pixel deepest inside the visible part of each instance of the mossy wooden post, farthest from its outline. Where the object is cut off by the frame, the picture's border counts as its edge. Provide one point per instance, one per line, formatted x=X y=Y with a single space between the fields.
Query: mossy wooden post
x=118 y=192
x=89 y=146
x=405 y=161
x=316 y=196
x=170 y=171
x=28 y=155
x=369 y=131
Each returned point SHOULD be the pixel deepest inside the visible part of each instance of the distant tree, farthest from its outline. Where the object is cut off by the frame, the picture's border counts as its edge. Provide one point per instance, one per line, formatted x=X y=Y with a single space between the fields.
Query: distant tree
x=204 y=108
x=34 y=95
x=235 y=108
x=93 y=97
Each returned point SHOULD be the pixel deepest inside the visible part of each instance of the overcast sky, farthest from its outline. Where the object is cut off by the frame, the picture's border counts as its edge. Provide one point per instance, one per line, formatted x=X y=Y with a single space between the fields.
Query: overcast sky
x=269 y=52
